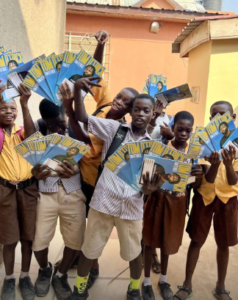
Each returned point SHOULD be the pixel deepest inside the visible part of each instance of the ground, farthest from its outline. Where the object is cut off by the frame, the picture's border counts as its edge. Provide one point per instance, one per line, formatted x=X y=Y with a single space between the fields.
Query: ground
x=111 y=265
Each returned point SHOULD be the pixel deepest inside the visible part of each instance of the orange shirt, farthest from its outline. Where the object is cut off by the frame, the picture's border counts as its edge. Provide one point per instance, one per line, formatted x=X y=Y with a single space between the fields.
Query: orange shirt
x=90 y=162
x=13 y=166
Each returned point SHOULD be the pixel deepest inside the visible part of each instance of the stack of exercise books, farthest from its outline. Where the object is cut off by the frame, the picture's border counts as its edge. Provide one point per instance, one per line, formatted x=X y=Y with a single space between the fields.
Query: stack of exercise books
x=155 y=84
x=51 y=150
x=44 y=75
x=132 y=160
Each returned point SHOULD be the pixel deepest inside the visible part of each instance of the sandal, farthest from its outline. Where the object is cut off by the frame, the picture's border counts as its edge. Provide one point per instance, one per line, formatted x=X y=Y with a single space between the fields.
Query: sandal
x=156 y=266
x=185 y=289
x=217 y=293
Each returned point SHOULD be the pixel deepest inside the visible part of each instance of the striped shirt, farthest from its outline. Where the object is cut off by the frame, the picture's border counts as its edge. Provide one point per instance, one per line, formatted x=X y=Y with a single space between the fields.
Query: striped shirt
x=113 y=196
x=51 y=184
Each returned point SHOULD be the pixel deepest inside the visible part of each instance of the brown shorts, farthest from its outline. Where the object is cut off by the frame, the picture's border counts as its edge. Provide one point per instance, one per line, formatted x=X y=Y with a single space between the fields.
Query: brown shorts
x=17 y=214
x=224 y=218
x=164 y=220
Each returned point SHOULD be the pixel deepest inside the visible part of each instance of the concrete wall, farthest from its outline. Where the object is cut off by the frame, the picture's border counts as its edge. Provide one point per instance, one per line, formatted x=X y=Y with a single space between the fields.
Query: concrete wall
x=136 y=52
x=34 y=27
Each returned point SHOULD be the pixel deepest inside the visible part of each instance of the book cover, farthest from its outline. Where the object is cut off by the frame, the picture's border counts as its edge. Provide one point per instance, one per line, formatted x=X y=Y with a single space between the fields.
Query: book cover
x=9 y=62
x=157 y=84
x=51 y=67
x=84 y=65
x=197 y=149
x=220 y=129
x=31 y=83
x=37 y=73
x=178 y=93
x=205 y=140
x=68 y=58
x=173 y=174
x=233 y=140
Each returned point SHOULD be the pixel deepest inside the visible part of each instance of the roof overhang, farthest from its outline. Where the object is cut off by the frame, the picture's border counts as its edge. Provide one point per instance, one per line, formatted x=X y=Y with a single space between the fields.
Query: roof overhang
x=134 y=12
x=201 y=30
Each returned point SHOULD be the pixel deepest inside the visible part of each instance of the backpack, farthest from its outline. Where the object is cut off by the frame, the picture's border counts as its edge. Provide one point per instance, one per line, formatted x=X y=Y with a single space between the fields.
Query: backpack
x=116 y=142
x=19 y=132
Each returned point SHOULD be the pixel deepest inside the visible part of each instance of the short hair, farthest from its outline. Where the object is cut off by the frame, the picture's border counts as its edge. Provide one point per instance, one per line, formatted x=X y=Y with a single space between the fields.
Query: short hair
x=223 y=123
x=133 y=91
x=12 y=61
x=168 y=156
x=91 y=66
x=183 y=115
x=49 y=110
x=58 y=63
x=143 y=96
x=77 y=150
x=222 y=102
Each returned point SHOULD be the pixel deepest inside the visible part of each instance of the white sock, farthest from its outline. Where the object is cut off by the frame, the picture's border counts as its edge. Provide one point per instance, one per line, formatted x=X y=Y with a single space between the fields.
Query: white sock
x=24 y=274
x=147 y=281
x=59 y=274
x=9 y=276
x=163 y=278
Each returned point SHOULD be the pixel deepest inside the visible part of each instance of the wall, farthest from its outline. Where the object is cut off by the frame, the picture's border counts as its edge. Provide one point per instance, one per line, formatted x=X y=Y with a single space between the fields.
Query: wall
x=34 y=27
x=198 y=74
x=135 y=52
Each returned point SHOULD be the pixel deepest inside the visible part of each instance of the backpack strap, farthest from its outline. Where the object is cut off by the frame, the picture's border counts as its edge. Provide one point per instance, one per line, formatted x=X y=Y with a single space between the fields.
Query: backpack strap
x=99 y=109
x=116 y=142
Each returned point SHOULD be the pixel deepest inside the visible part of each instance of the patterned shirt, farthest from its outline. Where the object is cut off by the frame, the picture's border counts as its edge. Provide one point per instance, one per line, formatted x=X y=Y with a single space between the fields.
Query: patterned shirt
x=51 y=184
x=113 y=196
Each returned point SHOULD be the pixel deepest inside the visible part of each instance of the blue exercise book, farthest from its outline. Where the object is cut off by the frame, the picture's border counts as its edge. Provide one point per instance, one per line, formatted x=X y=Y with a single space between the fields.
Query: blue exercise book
x=157 y=84
x=8 y=62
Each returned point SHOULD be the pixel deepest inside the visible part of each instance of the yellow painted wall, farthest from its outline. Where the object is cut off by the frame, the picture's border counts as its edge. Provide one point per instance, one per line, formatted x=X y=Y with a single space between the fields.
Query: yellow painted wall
x=223 y=76
x=34 y=27
x=198 y=74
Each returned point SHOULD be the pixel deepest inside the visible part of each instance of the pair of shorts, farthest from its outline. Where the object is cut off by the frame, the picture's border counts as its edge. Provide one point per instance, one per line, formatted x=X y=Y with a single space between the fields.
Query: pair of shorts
x=71 y=211
x=99 y=228
x=17 y=214
x=224 y=218
x=88 y=191
x=164 y=221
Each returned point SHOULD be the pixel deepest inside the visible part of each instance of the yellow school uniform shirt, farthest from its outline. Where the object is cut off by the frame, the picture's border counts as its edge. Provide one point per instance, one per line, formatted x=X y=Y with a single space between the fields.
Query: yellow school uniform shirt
x=220 y=187
x=13 y=166
x=90 y=162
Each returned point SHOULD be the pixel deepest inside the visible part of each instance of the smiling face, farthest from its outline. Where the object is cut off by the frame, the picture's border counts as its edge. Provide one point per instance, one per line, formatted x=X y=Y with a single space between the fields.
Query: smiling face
x=88 y=71
x=182 y=130
x=142 y=113
x=8 y=113
x=121 y=103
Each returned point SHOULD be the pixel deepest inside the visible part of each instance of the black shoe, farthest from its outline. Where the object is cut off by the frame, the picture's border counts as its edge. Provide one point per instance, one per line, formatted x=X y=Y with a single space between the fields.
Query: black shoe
x=8 y=289
x=166 y=291
x=93 y=275
x=76 y=296
x=42 y=284
x=147 y=292
x=133 y=294
x=61 y=286
x=27 y=288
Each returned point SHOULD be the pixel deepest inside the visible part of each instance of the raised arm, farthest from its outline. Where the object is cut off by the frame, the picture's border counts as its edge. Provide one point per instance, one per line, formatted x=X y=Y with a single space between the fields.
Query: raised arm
x=28 y=123
x=67 y=100
x=214 y=160
x=82 y=84
x=101 y=37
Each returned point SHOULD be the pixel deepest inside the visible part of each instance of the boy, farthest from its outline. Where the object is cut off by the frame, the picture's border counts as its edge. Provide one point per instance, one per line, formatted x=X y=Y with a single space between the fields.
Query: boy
x=164 y=216
x=215 y=199
x=18 y=190
x=60 y=196
x=113 y=202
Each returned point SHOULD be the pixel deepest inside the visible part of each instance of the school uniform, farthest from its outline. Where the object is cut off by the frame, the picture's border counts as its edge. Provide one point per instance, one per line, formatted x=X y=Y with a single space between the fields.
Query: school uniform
x=114 y=203
x=215 y=202
x=18 y=192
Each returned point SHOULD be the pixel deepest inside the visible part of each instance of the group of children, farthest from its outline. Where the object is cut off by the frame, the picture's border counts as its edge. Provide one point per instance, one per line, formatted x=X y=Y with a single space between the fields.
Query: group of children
x=32 y=199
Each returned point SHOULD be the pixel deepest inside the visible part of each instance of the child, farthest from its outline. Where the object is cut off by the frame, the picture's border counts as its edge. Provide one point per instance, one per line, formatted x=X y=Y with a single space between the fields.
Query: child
x=113 y=202
x=107 y=108
x=18 y=190
x=164 y=216
x=60 y=197
x=215 y=199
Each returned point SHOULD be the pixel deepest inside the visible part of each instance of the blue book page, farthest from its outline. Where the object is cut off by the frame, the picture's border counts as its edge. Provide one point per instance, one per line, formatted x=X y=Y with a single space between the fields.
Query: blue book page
x=233 y=141
x=26 y=153
x=157 y=84
x=197 y=149
x=83 y=66
x=205 y=140
x=220 y=129
x=31 y=83
x=68 y=58
x=9 y=62
x=173 y=174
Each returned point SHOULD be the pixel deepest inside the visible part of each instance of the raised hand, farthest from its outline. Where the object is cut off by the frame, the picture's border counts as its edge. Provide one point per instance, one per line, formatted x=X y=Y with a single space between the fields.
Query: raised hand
x=214 y=159
x=101 y=36
x=67 y=96
x=86 y=84
x=2 y=88
x=166 y=131
x=150 y=186
x=197 y=171
x=66 y=171
x=25 y=94
x=228 y=156
x=158 y=107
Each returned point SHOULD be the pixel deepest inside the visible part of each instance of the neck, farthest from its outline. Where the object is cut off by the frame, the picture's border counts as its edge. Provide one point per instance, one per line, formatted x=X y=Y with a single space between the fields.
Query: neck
x=7 y=128
x=137 y=131
x=179 y=146
x=113 y=115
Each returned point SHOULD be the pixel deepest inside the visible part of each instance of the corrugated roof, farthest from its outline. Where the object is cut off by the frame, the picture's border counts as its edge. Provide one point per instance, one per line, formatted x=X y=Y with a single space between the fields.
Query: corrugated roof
x=193 y=25
x=188 y=5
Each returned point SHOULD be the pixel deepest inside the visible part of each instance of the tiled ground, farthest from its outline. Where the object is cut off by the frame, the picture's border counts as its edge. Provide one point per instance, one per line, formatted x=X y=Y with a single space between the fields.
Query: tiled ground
x=111 y=265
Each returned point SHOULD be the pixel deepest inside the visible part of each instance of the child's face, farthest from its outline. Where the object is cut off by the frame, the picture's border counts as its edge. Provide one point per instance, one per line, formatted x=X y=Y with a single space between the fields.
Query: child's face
x=121 y=103
x=221 y=109
x=142 y=113
x=182 y=130
x=8 y=113
x=57 y=125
